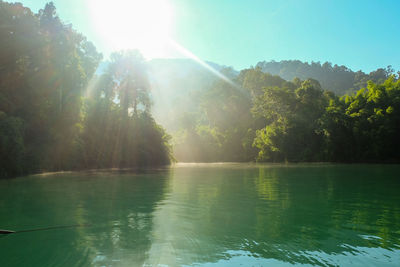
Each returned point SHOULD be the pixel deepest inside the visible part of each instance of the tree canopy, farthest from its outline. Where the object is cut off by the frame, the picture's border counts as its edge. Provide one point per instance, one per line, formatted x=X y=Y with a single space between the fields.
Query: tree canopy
x=339 y=79
x=46 y=70
x=267 y=118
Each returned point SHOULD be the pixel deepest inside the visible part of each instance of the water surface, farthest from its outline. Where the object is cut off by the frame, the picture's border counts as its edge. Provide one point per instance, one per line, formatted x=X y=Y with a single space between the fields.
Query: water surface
x=206 y=215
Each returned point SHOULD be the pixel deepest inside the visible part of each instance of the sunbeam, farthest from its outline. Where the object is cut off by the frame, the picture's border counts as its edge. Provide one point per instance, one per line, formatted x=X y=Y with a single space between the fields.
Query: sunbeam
x=187 y=53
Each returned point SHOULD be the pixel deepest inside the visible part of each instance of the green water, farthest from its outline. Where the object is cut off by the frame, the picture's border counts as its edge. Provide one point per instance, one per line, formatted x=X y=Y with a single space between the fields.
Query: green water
x=206 y=215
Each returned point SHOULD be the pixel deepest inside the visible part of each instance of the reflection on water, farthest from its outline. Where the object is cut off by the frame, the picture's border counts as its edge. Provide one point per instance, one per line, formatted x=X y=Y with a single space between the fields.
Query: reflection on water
x=206 y=215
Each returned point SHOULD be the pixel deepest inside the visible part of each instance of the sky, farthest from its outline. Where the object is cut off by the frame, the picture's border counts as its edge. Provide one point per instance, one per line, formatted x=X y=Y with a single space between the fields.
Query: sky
x=362 y=35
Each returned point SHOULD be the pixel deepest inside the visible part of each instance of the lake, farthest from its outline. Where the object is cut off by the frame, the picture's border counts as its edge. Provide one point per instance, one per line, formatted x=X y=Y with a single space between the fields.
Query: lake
x=205 y=215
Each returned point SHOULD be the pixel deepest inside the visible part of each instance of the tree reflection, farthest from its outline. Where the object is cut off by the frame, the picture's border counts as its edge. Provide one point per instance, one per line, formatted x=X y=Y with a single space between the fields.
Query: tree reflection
x=117 y=206
x=311 y=214
x=291 y=214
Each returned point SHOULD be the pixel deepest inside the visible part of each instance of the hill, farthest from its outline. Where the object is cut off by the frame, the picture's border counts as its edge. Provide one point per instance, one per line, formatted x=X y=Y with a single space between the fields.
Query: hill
x=339 y=79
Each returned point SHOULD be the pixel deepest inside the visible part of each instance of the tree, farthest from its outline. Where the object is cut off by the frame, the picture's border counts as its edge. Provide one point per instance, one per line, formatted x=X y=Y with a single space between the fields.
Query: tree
x=118 y=129
x=46 y=66
x=128 y=70
x=293 y=117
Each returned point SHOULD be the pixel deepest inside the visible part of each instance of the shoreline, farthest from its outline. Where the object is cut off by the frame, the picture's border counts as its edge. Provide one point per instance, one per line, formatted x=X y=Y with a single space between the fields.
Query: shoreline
x=140 y=170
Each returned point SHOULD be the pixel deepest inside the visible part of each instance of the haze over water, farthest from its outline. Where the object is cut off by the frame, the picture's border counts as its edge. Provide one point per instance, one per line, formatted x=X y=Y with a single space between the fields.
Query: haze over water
x=206 y=215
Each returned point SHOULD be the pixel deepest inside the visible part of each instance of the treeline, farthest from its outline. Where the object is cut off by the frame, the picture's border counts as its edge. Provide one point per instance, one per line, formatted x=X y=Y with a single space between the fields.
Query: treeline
x=56 y=113
x=50 y=120
x=339 y=79
x=264 y=117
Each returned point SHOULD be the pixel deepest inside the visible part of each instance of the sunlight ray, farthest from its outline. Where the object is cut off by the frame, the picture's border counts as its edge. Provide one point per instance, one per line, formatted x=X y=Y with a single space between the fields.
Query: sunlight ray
x=189 y=54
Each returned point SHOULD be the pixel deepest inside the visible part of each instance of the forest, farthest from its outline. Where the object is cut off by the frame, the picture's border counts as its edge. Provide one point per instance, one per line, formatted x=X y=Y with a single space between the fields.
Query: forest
x=266 y=118
x=59 y=112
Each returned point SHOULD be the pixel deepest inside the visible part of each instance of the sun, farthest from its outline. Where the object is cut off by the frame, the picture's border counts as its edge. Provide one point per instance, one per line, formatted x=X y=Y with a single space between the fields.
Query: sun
x=133 y=24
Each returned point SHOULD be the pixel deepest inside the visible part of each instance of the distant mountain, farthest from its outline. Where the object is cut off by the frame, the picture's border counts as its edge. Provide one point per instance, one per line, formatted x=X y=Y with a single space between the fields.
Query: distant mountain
x=338 y=79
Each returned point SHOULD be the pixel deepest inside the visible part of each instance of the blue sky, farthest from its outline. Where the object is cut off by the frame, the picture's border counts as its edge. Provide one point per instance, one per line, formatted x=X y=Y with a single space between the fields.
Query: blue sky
x=359 y=34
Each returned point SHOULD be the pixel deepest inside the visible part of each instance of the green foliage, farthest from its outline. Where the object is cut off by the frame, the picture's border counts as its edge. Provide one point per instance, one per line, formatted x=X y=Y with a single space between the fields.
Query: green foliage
x=114 y=141
x=218 y=131
x=116 y=132
x=266 y=118
x=46 y=123
x=12 y=153
x=309 y=125
x=374 y=114
x=293 y=130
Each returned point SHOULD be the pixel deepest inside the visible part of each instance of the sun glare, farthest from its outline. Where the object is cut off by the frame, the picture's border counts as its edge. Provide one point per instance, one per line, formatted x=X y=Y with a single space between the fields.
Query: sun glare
x=134 y=24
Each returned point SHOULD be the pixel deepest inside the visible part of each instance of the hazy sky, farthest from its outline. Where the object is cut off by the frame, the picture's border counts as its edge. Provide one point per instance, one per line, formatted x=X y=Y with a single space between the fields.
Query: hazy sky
x=359 y=34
